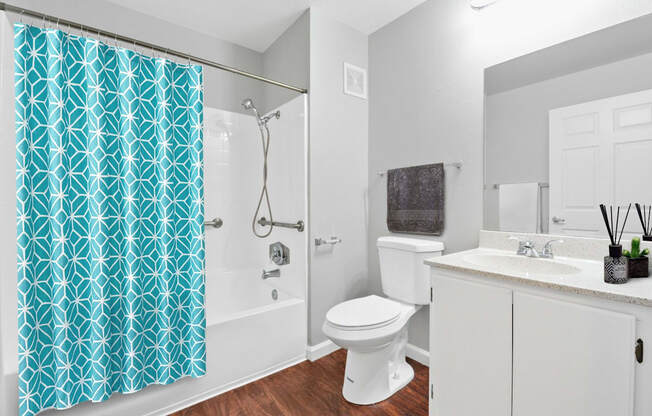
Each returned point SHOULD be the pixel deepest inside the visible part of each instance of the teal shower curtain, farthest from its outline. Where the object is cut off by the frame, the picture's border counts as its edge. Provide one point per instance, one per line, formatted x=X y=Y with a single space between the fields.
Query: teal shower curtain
x=110 y=220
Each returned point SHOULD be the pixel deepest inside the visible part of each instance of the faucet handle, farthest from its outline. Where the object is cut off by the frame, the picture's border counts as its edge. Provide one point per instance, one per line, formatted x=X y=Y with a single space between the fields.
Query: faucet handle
x=547 y=248
x=523 y=245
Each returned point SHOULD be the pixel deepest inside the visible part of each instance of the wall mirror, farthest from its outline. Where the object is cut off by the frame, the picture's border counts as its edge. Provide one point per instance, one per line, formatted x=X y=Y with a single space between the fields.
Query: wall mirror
x=567 y=128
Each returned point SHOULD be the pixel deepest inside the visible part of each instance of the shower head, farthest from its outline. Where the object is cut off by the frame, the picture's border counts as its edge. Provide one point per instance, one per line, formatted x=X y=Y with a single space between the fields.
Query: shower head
x=248 y=104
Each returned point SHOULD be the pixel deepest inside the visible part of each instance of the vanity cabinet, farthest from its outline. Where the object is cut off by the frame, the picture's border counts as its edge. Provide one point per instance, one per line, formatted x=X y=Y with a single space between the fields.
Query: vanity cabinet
x=509 y=350
x=471 y=371
x=571 y=360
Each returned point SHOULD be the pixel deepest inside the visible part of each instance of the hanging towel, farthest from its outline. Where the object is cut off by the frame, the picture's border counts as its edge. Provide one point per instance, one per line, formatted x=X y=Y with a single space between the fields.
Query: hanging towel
x=518 y=207
x=415 y=199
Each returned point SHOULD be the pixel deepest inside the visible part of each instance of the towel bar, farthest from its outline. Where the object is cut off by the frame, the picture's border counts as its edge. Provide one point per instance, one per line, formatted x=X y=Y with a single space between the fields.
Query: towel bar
x=457 y=165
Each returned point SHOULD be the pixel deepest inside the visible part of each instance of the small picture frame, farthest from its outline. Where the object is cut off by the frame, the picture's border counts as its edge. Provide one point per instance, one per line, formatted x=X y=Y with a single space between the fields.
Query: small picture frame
x=355 y=81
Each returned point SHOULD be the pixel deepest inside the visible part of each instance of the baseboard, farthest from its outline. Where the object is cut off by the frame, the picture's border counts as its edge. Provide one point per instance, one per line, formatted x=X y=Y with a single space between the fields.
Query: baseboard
x=208 y=394
x=315 y=352
x=418 y=354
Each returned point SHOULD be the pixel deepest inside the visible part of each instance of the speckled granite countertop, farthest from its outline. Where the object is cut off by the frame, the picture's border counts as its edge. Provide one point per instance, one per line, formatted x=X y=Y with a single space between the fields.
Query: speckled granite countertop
x=588 y=281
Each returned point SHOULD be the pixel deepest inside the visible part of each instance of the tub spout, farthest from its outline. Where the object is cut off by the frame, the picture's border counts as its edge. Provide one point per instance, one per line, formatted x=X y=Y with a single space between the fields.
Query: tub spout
x=271 y=273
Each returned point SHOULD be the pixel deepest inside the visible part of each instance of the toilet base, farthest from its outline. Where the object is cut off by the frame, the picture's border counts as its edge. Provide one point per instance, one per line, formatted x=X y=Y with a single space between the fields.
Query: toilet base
x=373 y=376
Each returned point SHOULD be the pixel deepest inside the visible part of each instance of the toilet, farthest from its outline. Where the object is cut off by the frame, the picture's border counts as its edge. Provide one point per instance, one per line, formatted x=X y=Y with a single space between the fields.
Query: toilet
x=374 y=328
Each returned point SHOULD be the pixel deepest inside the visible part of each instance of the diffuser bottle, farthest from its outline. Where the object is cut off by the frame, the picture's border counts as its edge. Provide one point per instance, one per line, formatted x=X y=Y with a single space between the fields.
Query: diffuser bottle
x=615 y=265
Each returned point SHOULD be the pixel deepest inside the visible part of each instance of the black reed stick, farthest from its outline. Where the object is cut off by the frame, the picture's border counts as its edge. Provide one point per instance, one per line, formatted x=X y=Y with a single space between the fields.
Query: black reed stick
x=605 y=217
x=615 y=229
x=624 y=222
x=645 y=219
x=640 y=217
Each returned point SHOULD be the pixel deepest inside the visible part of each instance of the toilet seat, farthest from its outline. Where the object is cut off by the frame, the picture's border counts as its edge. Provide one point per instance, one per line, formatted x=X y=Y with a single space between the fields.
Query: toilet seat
x=364 y=313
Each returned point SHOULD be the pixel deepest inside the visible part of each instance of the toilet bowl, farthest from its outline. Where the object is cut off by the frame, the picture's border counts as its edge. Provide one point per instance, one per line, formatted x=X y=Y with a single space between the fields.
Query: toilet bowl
x=374 y=329
x=375 y=362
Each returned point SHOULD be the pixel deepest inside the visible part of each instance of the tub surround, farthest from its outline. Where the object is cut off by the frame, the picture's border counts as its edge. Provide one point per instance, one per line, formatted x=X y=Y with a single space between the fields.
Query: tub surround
x=584 y=253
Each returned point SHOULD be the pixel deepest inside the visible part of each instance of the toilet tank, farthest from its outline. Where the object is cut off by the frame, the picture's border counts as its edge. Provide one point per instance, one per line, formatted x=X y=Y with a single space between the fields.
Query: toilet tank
x=404 y=276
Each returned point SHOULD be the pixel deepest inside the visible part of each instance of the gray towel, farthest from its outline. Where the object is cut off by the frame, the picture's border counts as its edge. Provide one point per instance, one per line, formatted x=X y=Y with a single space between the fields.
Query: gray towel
x=415 y=199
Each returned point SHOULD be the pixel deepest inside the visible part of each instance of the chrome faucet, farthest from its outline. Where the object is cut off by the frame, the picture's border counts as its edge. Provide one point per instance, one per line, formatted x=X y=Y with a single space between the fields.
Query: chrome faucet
x=271 y=273
x=525 y=247
x=546 y=253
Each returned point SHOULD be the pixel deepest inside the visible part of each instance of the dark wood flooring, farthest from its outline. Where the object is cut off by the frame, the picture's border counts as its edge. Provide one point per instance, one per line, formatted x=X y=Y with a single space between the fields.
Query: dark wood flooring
x=312 y=388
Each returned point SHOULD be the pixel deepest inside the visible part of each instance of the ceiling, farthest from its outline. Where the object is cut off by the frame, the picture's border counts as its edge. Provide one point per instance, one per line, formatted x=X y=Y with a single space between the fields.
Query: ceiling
x=256 y=24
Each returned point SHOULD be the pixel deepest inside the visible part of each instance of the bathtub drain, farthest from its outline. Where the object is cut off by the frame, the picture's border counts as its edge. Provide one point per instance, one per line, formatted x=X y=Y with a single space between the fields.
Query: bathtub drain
x=274 y=294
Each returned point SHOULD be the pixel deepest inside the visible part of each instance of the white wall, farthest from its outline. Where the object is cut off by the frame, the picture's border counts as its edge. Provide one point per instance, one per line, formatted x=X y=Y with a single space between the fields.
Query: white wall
x=516 y=121
x=338 y=170
x=426 y=96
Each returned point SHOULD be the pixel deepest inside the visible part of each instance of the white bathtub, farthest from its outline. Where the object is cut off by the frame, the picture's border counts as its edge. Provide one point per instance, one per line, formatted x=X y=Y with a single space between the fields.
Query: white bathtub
x=232 y=295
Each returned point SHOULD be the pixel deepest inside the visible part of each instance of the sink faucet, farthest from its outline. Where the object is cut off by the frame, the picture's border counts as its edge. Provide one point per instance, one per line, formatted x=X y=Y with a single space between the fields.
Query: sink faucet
x=525 y=247
x=546 y=253
x=271 y=273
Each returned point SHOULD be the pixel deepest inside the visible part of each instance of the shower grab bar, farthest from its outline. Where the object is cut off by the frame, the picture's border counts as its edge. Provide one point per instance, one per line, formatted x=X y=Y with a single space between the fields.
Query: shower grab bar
x=215 y=223
x=299 y=226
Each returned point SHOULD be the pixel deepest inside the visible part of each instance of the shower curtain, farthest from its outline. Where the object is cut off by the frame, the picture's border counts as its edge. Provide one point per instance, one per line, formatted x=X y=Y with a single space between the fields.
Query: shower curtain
x=110 y=220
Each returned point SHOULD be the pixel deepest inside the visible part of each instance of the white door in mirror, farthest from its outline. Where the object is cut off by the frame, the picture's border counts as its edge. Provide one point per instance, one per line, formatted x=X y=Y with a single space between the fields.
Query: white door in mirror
x=599 y=153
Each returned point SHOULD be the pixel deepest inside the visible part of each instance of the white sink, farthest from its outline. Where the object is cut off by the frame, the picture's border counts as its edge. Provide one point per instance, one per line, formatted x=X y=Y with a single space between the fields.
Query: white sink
x=521 y=264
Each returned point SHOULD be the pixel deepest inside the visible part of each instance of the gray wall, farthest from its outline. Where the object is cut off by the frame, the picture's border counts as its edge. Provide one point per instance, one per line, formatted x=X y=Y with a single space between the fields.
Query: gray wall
x=287 y=60
x=516 y=121
x=426 y=97
x=338 y=170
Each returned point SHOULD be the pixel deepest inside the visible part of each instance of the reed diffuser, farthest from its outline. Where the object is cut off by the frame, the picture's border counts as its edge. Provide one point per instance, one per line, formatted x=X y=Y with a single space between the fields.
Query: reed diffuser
x=615 y=264
x=644 y=217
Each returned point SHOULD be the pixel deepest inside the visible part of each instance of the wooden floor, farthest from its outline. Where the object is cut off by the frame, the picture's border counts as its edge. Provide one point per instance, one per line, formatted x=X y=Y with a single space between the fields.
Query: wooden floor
x=312 y=388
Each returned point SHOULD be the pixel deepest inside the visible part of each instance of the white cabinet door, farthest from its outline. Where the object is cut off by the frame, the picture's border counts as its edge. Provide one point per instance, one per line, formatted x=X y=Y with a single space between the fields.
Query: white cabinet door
x=471 y=349
x=571 y=360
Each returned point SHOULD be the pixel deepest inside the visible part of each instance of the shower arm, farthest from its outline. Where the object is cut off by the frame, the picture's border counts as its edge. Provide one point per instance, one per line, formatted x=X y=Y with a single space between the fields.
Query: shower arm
x=299 y=225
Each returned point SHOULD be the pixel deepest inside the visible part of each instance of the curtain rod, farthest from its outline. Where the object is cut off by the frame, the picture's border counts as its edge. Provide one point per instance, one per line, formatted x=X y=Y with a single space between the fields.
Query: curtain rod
x=73 y=25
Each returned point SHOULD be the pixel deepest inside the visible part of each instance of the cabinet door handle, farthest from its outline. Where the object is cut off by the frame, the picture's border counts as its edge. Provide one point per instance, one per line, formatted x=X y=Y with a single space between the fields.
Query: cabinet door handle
x=638 y=350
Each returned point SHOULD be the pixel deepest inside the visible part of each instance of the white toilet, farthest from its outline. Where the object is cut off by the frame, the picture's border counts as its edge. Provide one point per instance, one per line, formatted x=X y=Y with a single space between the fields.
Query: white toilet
x=374 y=329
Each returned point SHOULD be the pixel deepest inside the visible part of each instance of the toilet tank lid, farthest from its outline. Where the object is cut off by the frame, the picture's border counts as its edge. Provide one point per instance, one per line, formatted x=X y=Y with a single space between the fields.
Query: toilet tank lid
x=416 y=245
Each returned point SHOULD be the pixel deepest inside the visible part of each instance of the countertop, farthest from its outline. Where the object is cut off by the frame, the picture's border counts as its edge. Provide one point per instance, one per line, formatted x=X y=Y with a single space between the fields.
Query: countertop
x=589 y=281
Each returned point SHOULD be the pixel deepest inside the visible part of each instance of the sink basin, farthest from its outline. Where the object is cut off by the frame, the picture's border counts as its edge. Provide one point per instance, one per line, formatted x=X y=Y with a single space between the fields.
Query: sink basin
x=521 y=264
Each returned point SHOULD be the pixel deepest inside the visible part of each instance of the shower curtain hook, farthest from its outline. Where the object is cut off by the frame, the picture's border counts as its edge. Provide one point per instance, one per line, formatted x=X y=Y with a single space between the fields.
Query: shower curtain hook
x=20 y=17
x=43 y=23
x=57 y=23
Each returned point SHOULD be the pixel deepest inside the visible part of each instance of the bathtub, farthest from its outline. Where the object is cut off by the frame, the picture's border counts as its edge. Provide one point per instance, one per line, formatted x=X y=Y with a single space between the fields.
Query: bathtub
x=248 y=335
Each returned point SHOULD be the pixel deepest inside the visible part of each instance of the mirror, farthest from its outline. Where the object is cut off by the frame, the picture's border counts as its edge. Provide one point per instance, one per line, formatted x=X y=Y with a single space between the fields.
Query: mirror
x=567 y=128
